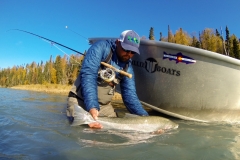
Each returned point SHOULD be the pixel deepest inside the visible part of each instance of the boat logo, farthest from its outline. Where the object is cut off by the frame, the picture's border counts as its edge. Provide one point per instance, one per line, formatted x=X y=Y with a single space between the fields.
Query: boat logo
x=179 y=58
x=151 y=65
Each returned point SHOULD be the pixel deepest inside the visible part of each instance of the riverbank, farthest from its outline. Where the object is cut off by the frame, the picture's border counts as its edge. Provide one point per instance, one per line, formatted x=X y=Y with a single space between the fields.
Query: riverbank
x=49 y=88
x=54 y=88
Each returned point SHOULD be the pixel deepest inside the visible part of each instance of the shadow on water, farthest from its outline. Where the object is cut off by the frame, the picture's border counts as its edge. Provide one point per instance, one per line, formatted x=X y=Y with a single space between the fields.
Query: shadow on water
x=113 y=138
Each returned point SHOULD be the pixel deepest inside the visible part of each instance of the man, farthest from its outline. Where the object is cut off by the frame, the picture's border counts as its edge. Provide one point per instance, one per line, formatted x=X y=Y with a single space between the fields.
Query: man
x=94 y=94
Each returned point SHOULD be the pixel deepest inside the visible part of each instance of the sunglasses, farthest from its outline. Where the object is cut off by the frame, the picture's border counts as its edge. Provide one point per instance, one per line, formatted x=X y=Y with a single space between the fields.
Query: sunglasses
x=132 y=52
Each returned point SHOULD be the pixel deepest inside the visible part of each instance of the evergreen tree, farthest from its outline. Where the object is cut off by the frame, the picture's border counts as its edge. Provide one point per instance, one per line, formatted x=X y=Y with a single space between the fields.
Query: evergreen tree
x=170 y=36
x=160 y=39
x=151 y=34
x=198 y=44
x=217 y=33
x=200 y=41
x=195 y=42
x=227 y=41
x=235 y=49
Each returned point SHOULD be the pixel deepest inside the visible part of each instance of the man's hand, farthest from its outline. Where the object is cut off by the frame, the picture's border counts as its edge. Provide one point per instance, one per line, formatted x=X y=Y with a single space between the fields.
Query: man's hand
x=94 y=113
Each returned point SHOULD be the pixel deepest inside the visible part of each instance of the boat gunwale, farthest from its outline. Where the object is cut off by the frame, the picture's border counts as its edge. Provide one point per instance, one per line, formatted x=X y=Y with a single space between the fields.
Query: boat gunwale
x=179 y=47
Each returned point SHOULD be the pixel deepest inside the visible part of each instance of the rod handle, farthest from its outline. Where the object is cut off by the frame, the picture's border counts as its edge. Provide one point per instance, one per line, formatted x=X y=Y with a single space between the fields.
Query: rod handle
x=120 y=71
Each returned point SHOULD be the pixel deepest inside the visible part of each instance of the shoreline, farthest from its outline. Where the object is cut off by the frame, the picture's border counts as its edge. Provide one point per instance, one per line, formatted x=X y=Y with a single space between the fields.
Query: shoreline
x=53 y=88
x=48 y=88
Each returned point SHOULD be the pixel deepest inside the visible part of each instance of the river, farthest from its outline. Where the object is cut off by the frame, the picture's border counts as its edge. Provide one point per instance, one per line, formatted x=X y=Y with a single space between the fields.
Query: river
x=34 y=126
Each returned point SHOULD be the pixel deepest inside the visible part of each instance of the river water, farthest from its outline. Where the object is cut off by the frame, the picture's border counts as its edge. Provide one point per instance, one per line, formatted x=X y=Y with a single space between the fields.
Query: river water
x=34 y=126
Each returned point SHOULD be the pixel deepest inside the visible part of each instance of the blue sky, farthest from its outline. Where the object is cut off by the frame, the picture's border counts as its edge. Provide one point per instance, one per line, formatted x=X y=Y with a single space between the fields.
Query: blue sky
x=105 y=18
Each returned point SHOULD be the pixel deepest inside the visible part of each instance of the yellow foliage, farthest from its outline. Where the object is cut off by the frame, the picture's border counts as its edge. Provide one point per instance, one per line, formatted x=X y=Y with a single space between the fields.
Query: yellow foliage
x=210 y=41
x=181 y=37
x=53 y=76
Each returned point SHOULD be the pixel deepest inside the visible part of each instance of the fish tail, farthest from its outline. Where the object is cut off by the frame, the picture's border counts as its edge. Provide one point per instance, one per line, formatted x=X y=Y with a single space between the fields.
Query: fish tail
x=81 y=116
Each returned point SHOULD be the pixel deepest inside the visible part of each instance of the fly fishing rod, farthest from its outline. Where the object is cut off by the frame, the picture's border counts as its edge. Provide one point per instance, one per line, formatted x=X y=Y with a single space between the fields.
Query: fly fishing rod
x=53 y=43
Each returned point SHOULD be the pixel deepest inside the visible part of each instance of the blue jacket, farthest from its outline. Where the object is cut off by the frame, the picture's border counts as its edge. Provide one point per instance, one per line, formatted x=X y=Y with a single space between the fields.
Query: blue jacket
x=89 y=73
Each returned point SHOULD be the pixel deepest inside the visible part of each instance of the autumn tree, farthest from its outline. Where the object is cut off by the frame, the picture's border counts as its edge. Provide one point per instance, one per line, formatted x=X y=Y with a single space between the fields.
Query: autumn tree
x=46 y=73
x=220 y=43
x=53 y=75
x=40 y=73
x=181 y=37
x=64 y=69
x=59 y=70
x=210 y=41
x=33 y=73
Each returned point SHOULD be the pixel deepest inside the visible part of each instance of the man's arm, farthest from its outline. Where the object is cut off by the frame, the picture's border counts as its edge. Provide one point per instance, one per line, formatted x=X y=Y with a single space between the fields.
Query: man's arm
x=129 y=95
x=89 y=73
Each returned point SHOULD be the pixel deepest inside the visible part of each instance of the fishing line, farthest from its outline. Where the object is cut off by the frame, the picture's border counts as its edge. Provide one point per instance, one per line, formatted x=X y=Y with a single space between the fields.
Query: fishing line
x=77 y=33
x=62 y=51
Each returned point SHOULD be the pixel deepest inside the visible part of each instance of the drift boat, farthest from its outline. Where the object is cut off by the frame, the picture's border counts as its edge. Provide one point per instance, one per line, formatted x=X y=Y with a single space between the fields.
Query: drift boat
x=187 y=82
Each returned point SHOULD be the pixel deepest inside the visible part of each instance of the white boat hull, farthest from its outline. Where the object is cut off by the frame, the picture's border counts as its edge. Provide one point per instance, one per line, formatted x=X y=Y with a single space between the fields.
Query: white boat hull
x=203 y=85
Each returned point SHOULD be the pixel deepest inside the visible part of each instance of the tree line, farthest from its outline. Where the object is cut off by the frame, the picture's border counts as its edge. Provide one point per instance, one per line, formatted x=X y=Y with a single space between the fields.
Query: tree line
x=64 y=70
x=208 y=39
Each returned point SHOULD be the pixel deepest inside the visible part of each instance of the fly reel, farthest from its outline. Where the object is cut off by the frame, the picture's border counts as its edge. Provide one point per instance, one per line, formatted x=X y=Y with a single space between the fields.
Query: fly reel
x=107 y=75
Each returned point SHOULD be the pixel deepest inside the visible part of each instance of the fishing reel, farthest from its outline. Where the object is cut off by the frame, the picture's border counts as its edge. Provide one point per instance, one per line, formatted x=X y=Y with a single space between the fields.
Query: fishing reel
x=107 y=74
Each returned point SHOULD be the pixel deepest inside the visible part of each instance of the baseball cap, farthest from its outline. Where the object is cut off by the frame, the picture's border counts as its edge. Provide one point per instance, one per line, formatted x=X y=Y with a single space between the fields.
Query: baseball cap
x=130 y=40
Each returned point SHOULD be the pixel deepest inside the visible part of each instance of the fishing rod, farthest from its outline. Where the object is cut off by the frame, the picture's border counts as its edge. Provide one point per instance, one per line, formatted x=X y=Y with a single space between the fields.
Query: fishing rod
x=53 y=43
x=117 y=70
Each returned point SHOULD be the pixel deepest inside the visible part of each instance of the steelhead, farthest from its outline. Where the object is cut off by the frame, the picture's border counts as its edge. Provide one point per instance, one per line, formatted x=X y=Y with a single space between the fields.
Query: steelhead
x=129 y=123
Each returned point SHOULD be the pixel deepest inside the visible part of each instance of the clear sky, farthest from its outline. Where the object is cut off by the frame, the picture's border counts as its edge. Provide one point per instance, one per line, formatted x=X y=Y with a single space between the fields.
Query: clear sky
x=101 y=18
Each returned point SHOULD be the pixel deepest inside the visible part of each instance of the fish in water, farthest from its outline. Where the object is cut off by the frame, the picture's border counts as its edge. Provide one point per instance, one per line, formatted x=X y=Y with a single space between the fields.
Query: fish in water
x=146 y=124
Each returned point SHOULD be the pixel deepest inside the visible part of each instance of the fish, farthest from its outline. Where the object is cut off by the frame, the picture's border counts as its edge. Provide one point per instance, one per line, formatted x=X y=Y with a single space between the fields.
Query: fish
x=132 y=123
